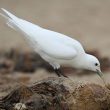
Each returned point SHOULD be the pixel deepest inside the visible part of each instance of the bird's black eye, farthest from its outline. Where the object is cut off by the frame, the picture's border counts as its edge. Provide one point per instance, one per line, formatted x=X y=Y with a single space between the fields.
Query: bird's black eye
x=96 y=64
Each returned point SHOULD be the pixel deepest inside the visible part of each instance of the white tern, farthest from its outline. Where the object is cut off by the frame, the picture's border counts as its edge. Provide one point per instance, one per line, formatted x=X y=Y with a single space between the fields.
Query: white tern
x=55 y=48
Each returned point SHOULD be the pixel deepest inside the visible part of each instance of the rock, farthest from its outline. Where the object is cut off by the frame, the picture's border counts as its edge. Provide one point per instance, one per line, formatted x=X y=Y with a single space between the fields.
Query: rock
x=58 y=94
x=20 y=106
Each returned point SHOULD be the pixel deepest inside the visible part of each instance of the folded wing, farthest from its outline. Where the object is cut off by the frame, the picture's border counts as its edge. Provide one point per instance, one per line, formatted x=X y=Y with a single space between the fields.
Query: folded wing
x=59 y=50
x=50 y=45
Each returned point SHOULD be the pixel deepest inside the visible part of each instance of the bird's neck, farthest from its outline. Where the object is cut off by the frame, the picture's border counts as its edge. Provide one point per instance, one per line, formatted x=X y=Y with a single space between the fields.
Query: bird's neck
x=83 y=62
x=86 y=62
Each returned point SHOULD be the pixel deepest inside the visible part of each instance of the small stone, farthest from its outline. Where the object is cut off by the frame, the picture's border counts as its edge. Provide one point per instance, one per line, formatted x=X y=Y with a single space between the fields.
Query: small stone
x=20 y=106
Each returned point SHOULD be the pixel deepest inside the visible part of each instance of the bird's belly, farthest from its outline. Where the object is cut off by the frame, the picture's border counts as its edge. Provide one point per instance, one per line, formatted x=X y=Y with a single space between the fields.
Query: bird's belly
x=61 y=62
x=64 y=62
x=57 y=61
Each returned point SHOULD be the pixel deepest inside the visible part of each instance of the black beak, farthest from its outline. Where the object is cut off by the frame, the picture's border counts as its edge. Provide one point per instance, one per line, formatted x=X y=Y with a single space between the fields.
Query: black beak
x=101 y=75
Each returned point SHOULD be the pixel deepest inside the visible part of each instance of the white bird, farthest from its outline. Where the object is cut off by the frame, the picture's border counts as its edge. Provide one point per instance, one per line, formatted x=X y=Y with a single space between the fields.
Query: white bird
x=55 y=48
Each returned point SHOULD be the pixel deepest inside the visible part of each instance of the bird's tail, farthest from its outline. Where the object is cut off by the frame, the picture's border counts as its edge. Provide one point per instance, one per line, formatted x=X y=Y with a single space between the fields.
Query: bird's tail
x=26 y=28
x=10 y=18
x=9 y=15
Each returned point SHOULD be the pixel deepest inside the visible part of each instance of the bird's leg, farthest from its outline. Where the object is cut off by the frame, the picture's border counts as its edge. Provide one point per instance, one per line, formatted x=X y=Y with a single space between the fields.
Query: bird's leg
x=59 y=73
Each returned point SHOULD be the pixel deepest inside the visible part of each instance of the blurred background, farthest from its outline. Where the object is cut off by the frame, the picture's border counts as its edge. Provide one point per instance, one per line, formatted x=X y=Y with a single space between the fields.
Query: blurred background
x=85 y=20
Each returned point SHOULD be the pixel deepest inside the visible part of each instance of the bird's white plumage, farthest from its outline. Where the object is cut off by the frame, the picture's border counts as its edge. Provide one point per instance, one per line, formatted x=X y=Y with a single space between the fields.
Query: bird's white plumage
x=51 y=43
x=53 y=47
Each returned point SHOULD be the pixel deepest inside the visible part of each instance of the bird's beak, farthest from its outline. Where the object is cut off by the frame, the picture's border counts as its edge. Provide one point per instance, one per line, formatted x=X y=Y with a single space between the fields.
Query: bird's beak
x=99 y=72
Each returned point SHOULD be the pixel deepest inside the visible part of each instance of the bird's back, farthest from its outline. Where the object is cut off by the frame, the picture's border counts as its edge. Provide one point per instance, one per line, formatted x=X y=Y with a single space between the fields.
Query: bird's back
x=61 y=38
x=41 y=37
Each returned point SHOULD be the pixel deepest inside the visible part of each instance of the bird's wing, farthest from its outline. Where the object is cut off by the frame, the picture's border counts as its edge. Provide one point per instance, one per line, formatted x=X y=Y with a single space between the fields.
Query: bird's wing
x=58 y=50
x=46 y=40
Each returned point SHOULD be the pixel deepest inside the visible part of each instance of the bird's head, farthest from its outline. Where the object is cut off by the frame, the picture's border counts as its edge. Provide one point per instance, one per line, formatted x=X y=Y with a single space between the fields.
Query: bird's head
x=93 y=64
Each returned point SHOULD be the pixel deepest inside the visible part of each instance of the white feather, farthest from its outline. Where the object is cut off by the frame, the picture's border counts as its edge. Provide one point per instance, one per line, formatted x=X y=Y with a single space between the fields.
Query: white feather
x=54 y=47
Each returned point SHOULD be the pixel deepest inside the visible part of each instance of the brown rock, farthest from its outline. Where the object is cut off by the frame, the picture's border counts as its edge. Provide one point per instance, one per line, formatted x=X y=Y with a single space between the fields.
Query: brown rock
x=58 y=94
